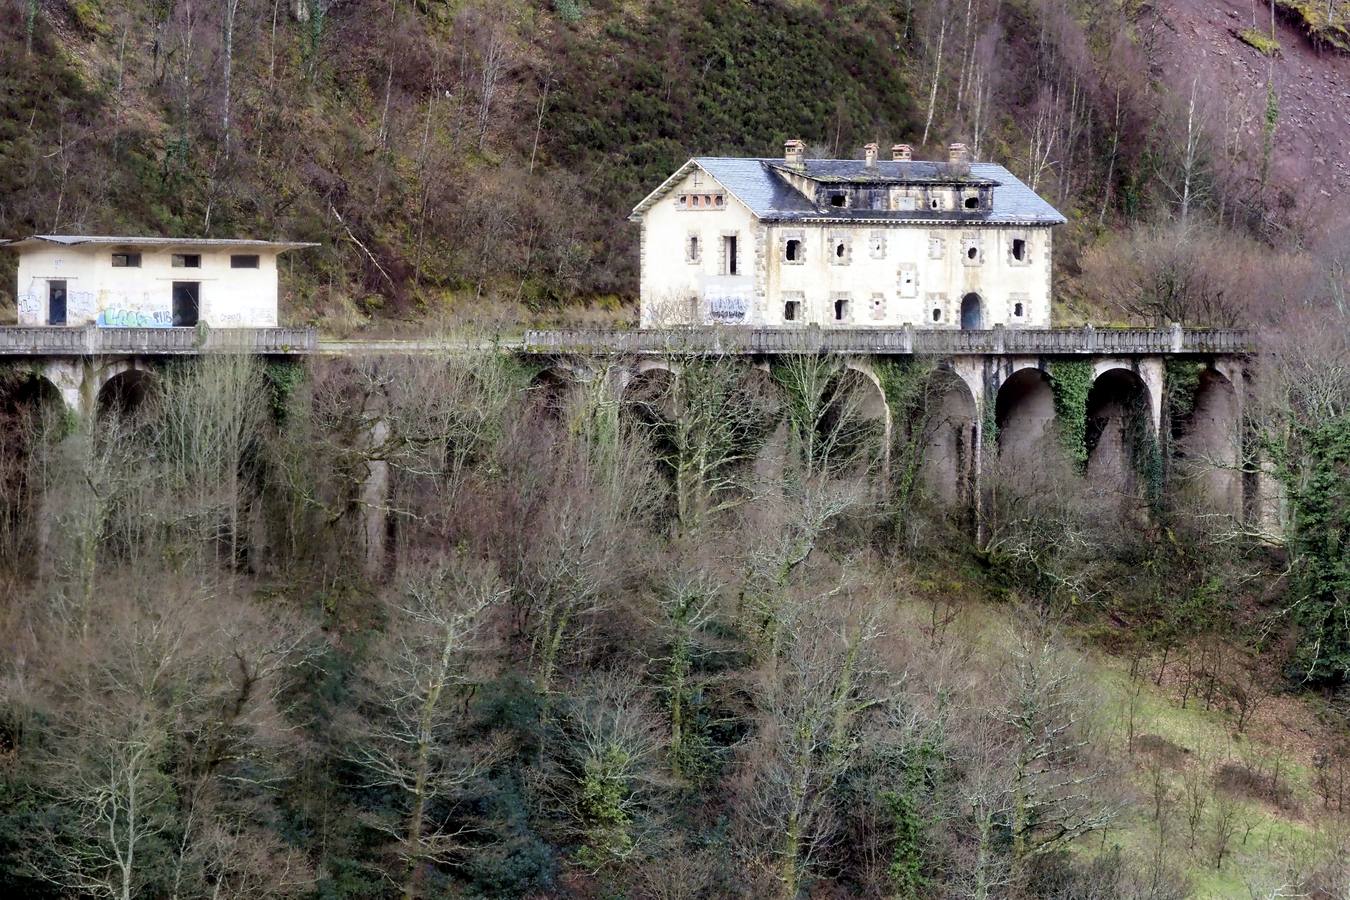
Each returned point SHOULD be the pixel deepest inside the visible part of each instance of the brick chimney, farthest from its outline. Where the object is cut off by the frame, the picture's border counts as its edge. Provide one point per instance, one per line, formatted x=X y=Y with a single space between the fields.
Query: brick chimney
x=870 y=154
x=794 y=152
x=958 y=155
x=902 y=153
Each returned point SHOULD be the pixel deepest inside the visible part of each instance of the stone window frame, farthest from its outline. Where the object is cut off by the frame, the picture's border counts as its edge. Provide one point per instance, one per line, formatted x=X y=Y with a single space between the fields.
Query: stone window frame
x=937 y=245
x=902 y=200
x=1019 y=298
x=1025 y=238
x=724 y=265
x=846 y=298
x=693 y=248
x=877 y=239
x=797 y=297
x=934 y=301
x=837 y=238
x=968 y=195
x=877 y=307
x=798 y=235
x=913 y=291
x=971 y=239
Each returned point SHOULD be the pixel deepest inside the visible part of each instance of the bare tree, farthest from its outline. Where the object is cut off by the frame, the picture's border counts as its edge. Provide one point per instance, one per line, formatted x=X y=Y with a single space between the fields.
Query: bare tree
x=410 y=741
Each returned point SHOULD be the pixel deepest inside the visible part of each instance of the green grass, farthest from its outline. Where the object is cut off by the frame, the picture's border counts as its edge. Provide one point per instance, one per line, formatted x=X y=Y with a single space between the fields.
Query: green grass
x=1259 y=41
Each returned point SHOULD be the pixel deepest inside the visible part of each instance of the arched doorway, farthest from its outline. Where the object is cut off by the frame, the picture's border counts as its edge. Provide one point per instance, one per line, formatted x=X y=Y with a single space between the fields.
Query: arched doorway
x=972 y=312
x=1119 y=434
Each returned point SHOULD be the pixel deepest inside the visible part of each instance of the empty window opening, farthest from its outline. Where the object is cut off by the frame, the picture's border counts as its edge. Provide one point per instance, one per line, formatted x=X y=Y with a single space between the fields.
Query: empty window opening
x=935 y=203
x=1019 y=249
x=1017 y=310
x=793 y=251
x=187 y=261
x=840 y=249
x=972 y=252
x=186 y=303
x=792 y=310
x=937 y=314
x=729 y=254
x=839 y=199
x=721 y=200
x=56 y=303
x=692 y=249
x=126 y=260
x=244 y=261
x=972 y=203
x=841 y=309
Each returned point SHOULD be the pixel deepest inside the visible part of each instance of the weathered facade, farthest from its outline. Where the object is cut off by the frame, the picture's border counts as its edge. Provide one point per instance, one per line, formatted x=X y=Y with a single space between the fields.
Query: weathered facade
x=797 y=242
x=147 y=282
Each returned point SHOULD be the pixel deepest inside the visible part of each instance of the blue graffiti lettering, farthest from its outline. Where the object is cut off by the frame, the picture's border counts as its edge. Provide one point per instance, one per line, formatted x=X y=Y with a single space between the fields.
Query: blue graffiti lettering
x=131 y=318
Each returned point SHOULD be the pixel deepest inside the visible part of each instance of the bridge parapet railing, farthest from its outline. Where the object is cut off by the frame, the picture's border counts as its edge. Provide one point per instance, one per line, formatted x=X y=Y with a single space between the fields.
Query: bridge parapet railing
x=91 y=340
x=1043 y=341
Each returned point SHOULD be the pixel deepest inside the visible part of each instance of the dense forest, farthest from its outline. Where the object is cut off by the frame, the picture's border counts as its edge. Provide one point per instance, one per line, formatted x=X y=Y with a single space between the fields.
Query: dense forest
x=477 y=626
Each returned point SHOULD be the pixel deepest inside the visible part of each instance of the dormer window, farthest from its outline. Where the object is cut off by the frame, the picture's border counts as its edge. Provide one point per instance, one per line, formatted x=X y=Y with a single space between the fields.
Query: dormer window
x=838 y=200
x=972 y=203
x=935 y=203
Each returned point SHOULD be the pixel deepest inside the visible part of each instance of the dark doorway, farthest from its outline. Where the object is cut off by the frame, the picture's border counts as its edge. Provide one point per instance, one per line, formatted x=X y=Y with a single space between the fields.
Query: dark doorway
x=56 y=303
x=186 y=303
x=972 y=313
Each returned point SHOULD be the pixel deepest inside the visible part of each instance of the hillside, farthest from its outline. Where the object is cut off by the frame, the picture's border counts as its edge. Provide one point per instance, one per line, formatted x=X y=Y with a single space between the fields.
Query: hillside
x=480 y=158
x=694 y=626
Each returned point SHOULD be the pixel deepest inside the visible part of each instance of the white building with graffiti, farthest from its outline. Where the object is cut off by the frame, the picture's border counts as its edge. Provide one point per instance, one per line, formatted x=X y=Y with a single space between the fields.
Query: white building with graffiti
x=147 y=282
x=845 y=243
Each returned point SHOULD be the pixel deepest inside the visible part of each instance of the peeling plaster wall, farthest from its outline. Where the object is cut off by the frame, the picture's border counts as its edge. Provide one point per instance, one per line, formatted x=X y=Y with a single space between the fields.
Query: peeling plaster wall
x=98 y=293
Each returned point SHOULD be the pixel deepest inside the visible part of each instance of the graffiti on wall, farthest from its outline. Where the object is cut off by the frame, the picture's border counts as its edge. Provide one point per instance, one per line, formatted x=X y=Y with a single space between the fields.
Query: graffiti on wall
x=30 y=308
x=727 y=309
x=134 y=318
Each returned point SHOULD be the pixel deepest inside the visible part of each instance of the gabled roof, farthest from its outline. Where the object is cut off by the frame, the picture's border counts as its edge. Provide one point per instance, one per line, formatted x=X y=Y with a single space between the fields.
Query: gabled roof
x=756 y=182
x=77 y=240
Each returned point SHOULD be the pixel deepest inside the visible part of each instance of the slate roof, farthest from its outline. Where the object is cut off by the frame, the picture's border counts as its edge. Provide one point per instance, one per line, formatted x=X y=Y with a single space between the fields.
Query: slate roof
x=756 y=183
x=74 y=240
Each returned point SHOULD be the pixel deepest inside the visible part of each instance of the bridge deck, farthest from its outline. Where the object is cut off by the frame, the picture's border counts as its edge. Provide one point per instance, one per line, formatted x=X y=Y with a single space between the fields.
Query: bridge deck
x=92 y=341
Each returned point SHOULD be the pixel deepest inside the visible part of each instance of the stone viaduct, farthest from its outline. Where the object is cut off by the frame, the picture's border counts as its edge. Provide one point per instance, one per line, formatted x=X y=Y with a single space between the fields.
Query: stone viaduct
x=997 y=380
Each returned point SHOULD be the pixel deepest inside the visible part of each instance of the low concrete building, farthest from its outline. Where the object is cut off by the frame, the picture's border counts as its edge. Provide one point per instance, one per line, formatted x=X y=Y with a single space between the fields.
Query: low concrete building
x=147 y=282
x=845 y=243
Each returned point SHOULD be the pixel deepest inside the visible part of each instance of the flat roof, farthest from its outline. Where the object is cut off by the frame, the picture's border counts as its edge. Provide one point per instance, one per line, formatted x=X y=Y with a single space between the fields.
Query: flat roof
x=80 y=240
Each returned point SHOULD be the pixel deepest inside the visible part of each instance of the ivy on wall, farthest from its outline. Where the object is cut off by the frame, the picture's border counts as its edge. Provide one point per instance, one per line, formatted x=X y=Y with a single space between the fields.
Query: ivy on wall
x=907 y=385
x=1070 y=382
x=1319 y=489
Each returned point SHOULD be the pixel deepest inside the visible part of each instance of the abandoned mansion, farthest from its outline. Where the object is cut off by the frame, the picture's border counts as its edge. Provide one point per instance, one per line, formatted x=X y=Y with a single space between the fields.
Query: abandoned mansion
x=845 y=243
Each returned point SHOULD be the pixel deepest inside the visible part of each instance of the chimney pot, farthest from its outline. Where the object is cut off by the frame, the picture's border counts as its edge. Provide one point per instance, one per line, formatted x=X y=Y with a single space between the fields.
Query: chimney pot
x=870 y=154
x=794 y=152
x=957 y=154
x=902 y=153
